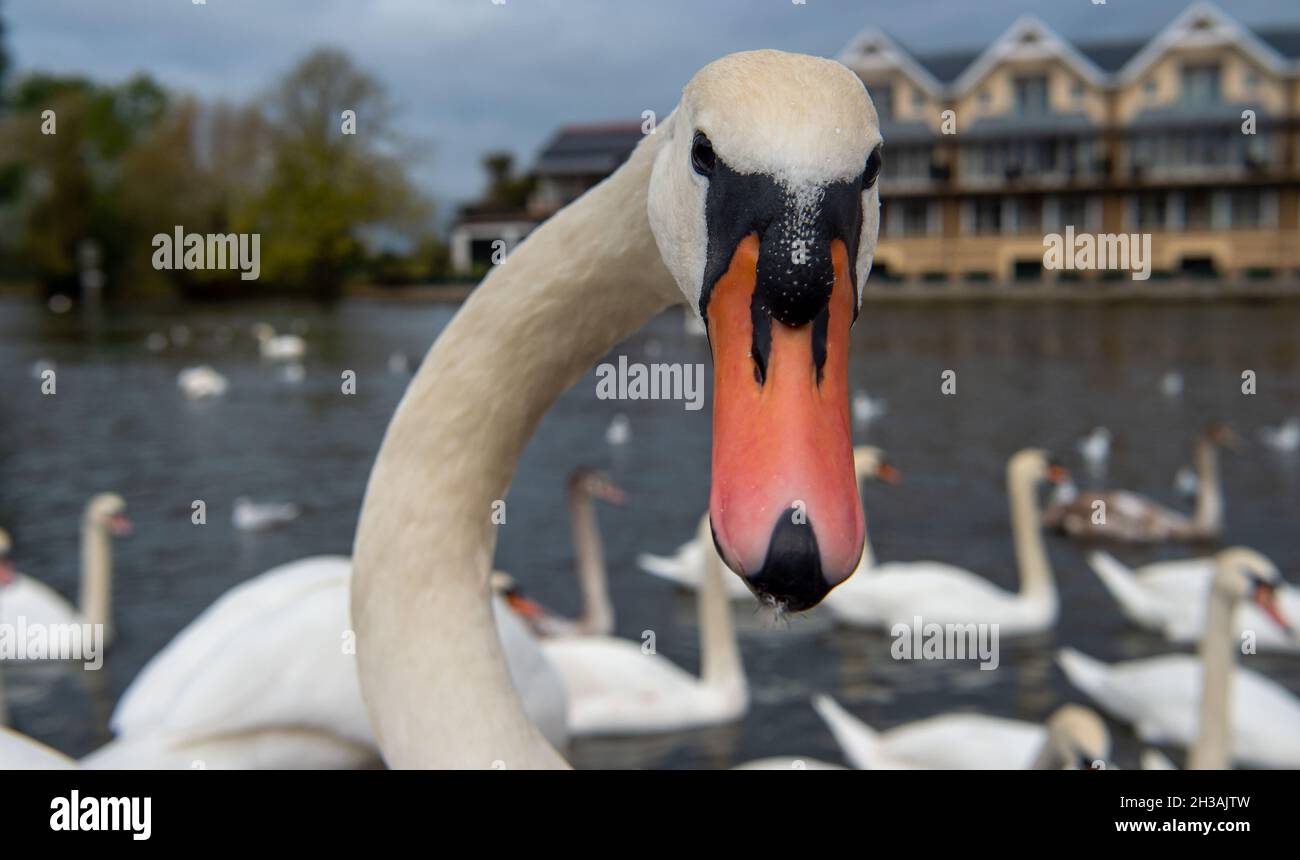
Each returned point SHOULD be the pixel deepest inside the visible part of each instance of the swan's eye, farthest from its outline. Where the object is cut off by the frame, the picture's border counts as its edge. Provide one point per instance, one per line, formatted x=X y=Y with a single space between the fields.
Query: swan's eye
x=872 y=170
x=702 y=156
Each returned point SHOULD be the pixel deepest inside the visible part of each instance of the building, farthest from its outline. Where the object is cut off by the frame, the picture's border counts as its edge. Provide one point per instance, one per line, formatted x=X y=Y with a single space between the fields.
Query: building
x=987 y=152
x=575 y=159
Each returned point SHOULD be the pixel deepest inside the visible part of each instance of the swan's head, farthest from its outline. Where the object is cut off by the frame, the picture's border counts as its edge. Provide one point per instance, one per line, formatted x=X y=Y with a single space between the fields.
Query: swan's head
x=1036 y=466
x=108 y=511
x=6 y=569
x=505 y=586
x=1223 y=436
x=871 y=464
x=595 y=484
x=1077 y=739
x=1243 y=574
x=764 y=205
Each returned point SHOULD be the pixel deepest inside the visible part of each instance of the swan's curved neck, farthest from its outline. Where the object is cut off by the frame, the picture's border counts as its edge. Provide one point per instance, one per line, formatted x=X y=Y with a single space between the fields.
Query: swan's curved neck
x=95 y=601
x=1211 y=750
x=1208 y=515
x=597 y=616
x=431 y=668
x=1031 y=554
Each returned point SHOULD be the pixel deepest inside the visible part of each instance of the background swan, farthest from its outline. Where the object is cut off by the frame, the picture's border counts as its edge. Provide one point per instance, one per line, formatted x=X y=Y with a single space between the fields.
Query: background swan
x=266 y=678
x=597 y=617
x=278 y=347
x=1136 y=518
x=104 y=519
x=1284 y=438
x=1095 y=449
x=19 y=752
x=202 y=382
x=1226 y=713
x=617 y=687
x=1074 y=737
x=1172 y=597
x=883 y=595
x=248 y=515
x=685 y=568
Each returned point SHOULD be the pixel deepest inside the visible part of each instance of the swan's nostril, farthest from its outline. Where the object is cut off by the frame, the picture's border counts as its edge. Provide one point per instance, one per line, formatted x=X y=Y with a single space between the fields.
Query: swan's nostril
x=791 y=575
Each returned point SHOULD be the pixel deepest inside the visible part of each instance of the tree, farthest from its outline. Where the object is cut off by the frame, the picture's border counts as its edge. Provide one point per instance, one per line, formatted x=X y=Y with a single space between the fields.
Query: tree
x=325 y=187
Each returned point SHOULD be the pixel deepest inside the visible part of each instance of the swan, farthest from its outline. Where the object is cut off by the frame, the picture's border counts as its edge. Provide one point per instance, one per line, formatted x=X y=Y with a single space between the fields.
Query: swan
x=619 y=430
x=1074 y=738
x=756 y=200
x=1170 y=597
x=1284 y=438
x=19 y=752
x=248 y=515
x=1136 y=518
x=278 y=347
x=266 y=678
x=1095 y=448
x=199 y=383
x=597 y=616
x=1223 y=712
x=22 y=596
x=866 y=409
x=897 y=592
x=685 y=568
x=1171 y=384
x=617 y=687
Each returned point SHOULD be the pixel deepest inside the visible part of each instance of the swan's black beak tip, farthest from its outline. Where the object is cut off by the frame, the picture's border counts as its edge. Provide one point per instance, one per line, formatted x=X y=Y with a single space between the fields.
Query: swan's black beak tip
x=791 y=576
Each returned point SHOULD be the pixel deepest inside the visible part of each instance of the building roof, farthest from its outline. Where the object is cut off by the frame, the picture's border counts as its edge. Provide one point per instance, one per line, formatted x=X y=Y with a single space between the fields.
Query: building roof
x=579 y=150
x=1195 y=115
x=1286 y=41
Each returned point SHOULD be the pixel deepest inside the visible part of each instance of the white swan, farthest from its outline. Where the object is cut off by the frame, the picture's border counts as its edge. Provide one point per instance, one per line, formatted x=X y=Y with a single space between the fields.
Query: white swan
x=768 y=142
x=619 y=430
x=867 y=409
x=1074 y=738
x=19 y=752
x=1225 y=713
x=597 y=617
x=266 y=678
x=618 y=687
x=896 y=592
x=104 y=519
x=685 y=568
x=1285 y=438
x=202 y=382
x=1171 y=598
x=278 y=347
x=250 y=516
x=1095 y=448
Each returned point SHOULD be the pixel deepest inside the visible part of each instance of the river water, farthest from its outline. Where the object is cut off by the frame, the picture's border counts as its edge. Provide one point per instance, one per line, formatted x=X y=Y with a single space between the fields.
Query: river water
x=1026 y=374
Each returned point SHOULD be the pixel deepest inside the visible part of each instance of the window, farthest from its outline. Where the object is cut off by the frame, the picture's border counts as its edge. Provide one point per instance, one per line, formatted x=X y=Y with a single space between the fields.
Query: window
x=883 y=98
x=1198 y=209
x=1201 y=83
x=1150 y=88
x=1247 y=208
x=1031 y=95
x=915 y=217
x=988 y=215
x=1073 y=212
x=1076 y=91
x=1151 y=211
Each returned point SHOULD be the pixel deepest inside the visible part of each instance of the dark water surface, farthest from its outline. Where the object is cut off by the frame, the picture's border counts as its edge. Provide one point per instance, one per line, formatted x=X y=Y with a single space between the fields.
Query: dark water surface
x=1026 y=375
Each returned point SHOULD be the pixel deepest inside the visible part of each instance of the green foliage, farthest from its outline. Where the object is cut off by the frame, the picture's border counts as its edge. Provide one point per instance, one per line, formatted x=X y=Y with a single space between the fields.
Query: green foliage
x=128 y=162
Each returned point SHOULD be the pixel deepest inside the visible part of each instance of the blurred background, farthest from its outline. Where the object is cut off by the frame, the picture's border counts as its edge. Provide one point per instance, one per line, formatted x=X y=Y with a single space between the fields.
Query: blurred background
x=475 y=122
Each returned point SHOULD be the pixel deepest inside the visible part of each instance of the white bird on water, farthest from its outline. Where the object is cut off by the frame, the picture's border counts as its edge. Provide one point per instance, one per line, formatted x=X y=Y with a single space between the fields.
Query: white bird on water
x=1284 y=438
x=1095 y=448
x=1171 y=384
x=867 y=409
x=619 y=430
x=249 y=515
x=278 y=347
x=201 y=382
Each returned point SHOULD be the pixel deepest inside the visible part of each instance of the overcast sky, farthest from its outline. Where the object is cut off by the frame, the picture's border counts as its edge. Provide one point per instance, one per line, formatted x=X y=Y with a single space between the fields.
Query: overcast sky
x=471 y=75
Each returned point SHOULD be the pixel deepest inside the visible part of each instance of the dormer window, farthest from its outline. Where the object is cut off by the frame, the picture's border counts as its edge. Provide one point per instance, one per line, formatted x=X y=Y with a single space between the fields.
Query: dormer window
x=1031 y=95
x=1200 y=83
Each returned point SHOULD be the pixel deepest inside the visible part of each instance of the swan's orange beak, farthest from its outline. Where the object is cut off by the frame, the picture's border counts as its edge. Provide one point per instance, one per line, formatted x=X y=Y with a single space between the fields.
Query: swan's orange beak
x=784 y=502
x=1266 y=599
